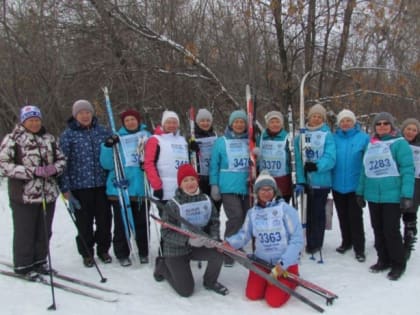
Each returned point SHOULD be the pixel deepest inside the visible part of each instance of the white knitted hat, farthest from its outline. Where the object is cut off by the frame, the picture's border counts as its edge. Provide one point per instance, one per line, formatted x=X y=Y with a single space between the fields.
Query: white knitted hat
x=274 y=114
x=265 y=179
x=346 y=113
x=169 y=114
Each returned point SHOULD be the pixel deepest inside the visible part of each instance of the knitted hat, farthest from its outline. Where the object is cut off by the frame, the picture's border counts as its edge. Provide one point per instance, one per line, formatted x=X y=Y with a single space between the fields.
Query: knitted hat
x=346 y=113
x=318 y=109
x=82 y=105
x=29 y=111
x=186 y=170
x=130 y=112
x=274 y=114
x=203 y=114
x=384 y=116
x=238 y=114
x=410 y=121
x=169 y=114
x=265 y=179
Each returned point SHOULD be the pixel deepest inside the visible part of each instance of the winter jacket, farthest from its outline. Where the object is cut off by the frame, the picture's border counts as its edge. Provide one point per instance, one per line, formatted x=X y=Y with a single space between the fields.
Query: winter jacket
x=82 y=146
x=350 y=146
x=176 y=244
x=277 y=232
x=133 y=173
x=152 y=158
x=20 y=153
x=284 y=182
x=391 y=188
x=325 y=163
x=205 y=141
x=229 y=182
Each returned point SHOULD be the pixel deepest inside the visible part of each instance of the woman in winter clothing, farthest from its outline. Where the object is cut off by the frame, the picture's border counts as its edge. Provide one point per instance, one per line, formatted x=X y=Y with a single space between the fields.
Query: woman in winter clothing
x=30 y=158
x=350 y=142
x=278 y=237
x=274 y=153
x=84 y=179
x=129 y=136
x=165 y=152
x=178 y=249
x=313 y=173
x=387 y=183
x=229 y=173
x=202 y=146
x=410 y=129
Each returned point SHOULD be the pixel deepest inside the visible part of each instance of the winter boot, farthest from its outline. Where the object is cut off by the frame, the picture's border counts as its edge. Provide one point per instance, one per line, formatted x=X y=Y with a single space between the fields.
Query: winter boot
x=125 y=262
x=159 y=265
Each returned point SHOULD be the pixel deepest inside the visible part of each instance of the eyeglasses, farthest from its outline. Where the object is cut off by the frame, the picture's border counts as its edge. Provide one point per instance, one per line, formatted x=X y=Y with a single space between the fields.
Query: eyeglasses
x=266 y=189
x=383 y=123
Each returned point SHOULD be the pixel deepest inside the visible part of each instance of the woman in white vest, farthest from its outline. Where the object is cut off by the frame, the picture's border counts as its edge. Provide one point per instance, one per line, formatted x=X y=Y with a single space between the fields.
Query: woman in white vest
x=387 y=183
x=165 y=152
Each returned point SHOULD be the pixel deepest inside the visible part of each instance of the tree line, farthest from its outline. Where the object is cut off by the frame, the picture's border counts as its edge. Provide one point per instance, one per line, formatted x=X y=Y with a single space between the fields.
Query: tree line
x=173 y=54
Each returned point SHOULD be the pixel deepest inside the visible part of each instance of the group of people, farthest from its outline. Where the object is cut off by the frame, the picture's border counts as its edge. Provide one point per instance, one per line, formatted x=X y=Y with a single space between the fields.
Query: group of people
x=81 y=166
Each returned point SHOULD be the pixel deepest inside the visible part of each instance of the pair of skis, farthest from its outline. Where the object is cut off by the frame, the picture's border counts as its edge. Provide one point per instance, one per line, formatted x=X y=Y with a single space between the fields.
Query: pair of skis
x=242 y=258
x=66 y=287
x=121 y=182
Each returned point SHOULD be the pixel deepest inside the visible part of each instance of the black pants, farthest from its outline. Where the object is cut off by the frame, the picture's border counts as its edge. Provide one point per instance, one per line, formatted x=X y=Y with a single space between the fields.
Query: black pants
x=315 y=217
x=30 y=247
x=350 y=217
x=177 y=269
x=385 y=219
x=140 y=217
x=95 y=212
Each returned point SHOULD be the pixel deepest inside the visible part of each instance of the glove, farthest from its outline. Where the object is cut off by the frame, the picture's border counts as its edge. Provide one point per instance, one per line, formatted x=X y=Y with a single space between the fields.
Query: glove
x=406 y=204
x=360 y=201
x=158 y=194
x=50 y=170
x=45 y=171
x=215 y=193
x=310 y=167
x=111 y=141
x=278 y=271
x=74 y=204
x=299 y=189
x=198 y=241
x=193 y=146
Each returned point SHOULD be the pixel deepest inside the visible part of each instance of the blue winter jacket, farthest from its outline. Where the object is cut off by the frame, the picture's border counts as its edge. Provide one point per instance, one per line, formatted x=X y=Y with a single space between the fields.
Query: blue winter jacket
x=325 y=163
x=392 y=188
x=229 y=182
x=81 y=146
x=134 y=174
x=277 y=232
x=350 y=146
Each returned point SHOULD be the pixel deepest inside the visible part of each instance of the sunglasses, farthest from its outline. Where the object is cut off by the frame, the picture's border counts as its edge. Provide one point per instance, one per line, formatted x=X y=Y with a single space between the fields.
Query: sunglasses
x=383 y=123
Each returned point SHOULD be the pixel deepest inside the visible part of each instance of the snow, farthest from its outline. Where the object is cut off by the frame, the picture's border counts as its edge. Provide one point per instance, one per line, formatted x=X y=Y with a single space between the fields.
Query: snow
x=360 y=292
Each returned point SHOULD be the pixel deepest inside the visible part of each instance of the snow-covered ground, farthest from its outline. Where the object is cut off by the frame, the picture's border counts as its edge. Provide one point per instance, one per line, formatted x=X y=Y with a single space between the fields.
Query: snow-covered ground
x=359 y=291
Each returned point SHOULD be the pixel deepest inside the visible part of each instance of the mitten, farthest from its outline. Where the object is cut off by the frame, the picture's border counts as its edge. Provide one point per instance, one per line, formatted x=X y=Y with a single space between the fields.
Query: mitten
x=50 y=170
x=158 y=194
x=193 y=146
x=299 y=189
x=40 y=171
x=215 y=193
x=310 y=167
x=406 y=204
x=197 y=241
x=111 y=141
x=360 y=201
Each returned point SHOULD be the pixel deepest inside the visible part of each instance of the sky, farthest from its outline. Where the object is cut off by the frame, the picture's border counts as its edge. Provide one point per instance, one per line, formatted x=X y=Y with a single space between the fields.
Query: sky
x=360 y=292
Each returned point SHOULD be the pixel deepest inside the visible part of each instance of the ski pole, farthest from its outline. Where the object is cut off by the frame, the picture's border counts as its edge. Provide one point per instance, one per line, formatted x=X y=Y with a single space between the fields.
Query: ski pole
x=82 y=239
x=52 y=307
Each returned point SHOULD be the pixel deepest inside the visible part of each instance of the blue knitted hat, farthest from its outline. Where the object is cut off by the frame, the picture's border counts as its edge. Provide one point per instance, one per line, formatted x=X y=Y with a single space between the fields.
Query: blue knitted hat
x=238 y=114
x=29 y=111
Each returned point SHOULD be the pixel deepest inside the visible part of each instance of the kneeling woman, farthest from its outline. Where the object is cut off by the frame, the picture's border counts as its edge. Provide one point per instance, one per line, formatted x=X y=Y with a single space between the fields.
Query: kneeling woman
x=278 y=240
x=178 y=249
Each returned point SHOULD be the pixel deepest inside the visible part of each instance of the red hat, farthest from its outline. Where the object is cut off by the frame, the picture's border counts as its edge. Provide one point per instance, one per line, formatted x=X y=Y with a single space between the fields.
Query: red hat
x=186 y=170
x=130 y=112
